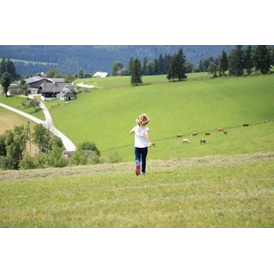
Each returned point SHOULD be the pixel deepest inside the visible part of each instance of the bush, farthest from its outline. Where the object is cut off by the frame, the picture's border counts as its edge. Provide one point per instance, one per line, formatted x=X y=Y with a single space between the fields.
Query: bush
x=27 y=163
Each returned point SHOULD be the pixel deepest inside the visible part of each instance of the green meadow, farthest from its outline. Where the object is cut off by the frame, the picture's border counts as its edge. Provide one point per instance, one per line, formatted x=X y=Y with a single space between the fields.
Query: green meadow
x=106 y=114
x=227 y=182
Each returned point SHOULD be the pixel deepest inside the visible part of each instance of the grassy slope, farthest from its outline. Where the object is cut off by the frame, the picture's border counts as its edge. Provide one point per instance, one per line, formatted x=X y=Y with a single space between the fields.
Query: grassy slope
x=106 y=114
x=233 y=191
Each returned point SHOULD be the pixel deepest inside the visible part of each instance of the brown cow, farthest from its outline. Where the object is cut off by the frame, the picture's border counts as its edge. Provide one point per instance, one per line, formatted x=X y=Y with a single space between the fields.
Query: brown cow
x=179 y=135
x=207 y=133
x=245 y=125
x=194 y=134
x=220 y=129
x=224 y=131
x=202 y=141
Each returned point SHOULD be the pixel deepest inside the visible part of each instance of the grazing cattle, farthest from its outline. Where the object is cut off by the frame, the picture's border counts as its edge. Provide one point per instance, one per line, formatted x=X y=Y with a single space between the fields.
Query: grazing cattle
x=220 y=129
x=224 y=131
x=179 y=135
x=207 y=133
x=194 y=134
x=245 y=125
x=202 y=141
x=185 y=141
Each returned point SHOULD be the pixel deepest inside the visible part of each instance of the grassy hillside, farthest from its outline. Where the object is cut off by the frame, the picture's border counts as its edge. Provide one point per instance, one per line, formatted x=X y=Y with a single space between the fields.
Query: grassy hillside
x=232 y=191
x=106 y=114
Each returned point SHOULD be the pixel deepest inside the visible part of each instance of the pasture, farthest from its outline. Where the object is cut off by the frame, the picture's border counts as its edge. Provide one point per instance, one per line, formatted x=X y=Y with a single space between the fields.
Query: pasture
x=106 y=114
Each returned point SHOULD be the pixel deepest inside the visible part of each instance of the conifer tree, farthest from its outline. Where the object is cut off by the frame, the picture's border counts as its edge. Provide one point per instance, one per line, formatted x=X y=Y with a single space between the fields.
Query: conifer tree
x=223 y=66
x=248 y=60
x=136 y=72
x=172 y=69
x=236 y=61
x=144 y=68
x=130 y=65
x=261 y=58
x=180 y=65
x=160 y=64
x=177 y=67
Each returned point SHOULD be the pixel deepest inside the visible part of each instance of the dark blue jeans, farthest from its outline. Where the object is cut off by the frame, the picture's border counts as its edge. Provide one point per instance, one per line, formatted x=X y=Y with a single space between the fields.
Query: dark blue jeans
x=141 y=156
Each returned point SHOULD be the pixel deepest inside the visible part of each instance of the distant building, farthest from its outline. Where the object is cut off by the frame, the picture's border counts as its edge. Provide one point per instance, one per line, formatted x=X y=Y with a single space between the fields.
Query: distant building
x=100 y=74
x=67 y=93
x=49 y=88
x=52 y=90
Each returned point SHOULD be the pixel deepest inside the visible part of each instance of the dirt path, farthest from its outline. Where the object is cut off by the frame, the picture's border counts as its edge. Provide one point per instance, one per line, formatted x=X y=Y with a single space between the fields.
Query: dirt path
x=48 y=123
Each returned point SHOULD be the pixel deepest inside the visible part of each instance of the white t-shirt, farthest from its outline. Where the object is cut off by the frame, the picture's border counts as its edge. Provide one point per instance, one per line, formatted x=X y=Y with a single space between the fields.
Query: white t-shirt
x=140 y=137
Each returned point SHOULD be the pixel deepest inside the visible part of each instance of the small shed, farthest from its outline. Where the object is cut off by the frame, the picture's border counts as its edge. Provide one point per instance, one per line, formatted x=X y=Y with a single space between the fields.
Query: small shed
x=67 y=93
x=14 y=89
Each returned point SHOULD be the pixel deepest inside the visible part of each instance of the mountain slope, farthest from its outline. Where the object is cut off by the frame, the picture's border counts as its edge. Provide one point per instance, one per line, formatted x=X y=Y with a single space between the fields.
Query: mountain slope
x=70 y=58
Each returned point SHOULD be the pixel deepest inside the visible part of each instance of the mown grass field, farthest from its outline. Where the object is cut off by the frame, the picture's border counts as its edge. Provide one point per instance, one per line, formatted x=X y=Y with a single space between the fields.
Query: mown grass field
x=232 y=191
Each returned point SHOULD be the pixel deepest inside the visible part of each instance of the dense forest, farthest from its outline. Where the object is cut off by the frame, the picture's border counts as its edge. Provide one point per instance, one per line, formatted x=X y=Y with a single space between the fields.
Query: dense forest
x=68 y=59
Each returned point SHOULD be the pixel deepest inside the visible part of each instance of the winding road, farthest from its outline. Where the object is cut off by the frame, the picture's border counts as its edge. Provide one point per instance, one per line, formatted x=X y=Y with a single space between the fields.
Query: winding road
x=48 y=123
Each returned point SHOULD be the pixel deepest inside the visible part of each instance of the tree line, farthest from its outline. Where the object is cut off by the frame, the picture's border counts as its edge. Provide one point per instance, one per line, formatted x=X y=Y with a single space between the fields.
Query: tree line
x=241 y=60
x=22 y=148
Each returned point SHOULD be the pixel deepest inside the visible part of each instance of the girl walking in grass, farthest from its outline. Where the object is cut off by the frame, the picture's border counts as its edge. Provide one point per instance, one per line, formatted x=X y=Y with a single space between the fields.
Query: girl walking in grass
x=141 y=142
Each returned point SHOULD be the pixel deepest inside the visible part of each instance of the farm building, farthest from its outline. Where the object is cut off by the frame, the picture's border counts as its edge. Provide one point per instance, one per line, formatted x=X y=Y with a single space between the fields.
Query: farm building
x=100 y=74
x=67 y=93
x=49 y=88
x=34 y=83
x=52 y=90
x=14 y=89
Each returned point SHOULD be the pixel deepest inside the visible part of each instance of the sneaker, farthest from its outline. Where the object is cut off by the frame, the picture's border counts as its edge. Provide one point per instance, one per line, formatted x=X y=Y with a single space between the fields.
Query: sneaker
x=137 y=169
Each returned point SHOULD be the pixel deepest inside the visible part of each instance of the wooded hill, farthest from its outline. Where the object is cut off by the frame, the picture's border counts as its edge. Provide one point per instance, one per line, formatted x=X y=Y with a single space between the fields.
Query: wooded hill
x=68 y=59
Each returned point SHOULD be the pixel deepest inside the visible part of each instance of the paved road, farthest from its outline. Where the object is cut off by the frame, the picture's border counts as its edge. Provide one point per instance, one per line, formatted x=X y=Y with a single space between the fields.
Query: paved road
x=48 y=123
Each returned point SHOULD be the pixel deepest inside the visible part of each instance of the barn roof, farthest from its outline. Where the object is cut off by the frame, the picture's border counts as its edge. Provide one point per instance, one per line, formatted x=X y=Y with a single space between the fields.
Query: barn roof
x=33 y=79
x=56 y=80
x=100 y=74
x=56 y=87
x=66 y=90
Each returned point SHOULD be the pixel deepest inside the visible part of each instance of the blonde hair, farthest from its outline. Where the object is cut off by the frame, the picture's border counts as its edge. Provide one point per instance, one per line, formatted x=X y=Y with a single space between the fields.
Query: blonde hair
x=142 y=120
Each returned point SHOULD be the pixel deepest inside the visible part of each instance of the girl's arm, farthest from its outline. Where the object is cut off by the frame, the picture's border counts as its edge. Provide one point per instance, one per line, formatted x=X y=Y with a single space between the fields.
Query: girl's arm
x=148 y=138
